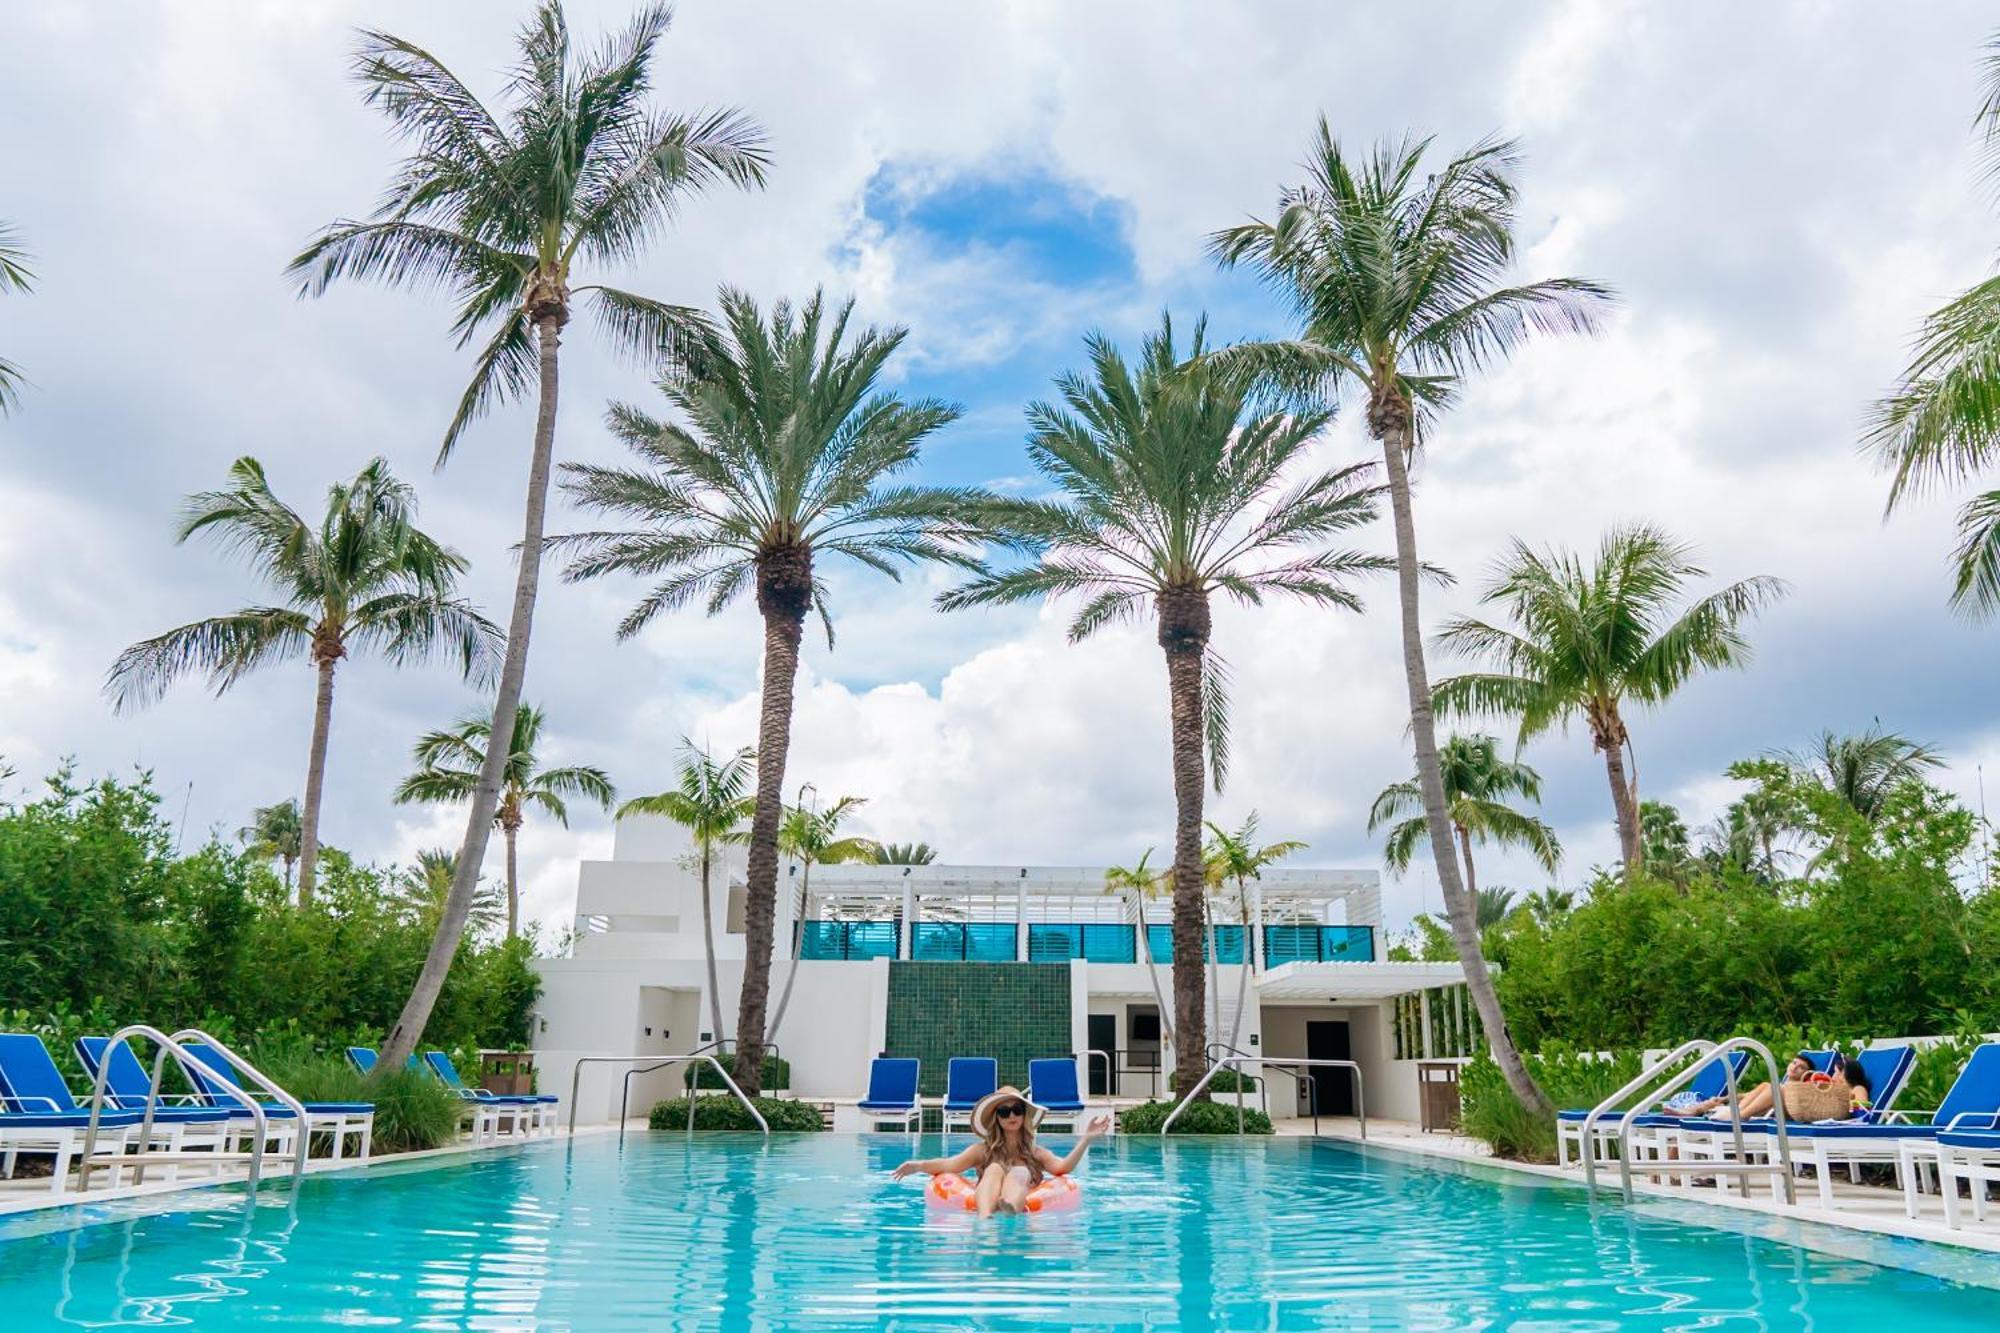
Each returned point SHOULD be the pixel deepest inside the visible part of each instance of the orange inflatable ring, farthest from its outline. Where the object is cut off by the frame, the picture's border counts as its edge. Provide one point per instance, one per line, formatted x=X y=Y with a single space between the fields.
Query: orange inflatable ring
x=1055 y=1194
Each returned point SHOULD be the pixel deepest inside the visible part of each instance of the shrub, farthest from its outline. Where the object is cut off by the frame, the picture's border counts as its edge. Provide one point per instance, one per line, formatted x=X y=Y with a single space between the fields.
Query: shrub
x=413 y=1111
x=1225 y=1080
x=725 y=1112
x=702 y=1076
x=1199 y=1118
x=1491 y=1111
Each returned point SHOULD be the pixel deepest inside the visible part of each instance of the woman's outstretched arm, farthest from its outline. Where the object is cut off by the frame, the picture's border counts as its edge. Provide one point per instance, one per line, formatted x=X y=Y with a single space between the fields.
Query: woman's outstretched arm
x=938 y=1166
x=1062 y=1166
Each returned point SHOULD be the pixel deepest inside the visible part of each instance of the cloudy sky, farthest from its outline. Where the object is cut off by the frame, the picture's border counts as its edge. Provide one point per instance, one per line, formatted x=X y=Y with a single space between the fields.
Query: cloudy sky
x=1778 y=193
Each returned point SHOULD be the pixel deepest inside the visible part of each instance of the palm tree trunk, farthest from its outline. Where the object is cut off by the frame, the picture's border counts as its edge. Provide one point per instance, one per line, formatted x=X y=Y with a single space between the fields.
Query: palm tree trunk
x=1183 y=633
x=1624 y=800
x=798 y=948
x=1214 y=958
x=315 y=778
x=783 y=628
x=510 y=831
x=1153 y=969
x=408 y=1029
x=1389 y=421
x=1471 y=878
x=1243 y=978
x=708 y=945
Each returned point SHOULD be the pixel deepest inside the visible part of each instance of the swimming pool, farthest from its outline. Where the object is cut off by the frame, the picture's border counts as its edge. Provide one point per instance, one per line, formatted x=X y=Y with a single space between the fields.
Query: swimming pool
x=808 y=1233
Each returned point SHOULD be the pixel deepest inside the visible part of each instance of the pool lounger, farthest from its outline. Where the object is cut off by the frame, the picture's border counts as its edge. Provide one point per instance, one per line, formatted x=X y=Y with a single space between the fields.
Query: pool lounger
x=967 y=1078
x=1971 y=1155
x=892 y=1092
x=1709 y=1081
x=1052 y=1086
x=208 y=1069
x=529 y=1111
x=200 y=1126
x=481 y=1118
x=42 y=1117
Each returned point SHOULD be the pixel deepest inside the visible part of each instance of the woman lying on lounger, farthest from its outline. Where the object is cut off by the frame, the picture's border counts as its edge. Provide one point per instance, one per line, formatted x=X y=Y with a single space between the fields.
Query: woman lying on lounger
x=1009 y=1160
x=1757 y=1102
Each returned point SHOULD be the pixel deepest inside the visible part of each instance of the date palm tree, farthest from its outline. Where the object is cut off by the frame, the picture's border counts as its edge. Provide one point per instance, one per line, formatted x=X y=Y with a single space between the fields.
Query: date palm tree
x=448 y=767
x=1232 y=858
x=789 y=456
x=1594 y=639
x=1477 y=785
x=510 y=210
x=15 y=276
x=1399 y=279
x=811 y=836
x=1139 y=884
x=1941 y=423
x=275 y=833
x=1174 y=490
x=423 y=888
x=710 y=799
x=364 y=579
x=905 y=854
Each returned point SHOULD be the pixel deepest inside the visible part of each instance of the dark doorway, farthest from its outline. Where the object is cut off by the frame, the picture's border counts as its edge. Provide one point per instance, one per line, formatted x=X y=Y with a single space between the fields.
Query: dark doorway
x=1103 y=1037
x=1333 y=1089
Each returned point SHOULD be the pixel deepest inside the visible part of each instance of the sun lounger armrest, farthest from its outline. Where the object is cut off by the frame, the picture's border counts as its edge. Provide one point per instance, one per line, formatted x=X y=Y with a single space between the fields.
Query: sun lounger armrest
x=47 y=1104
x=1972 y=1120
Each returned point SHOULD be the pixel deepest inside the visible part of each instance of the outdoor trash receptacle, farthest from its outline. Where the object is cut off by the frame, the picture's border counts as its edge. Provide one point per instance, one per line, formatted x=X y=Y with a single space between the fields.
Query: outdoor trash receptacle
x=1437 y=1095
x=507 y=1073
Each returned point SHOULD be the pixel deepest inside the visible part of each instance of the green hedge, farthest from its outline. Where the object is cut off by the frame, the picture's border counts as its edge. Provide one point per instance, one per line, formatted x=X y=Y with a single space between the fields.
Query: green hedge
x=1199 y=1118
x=1225 y=1080
x=701 y=1075
x=725 y=1112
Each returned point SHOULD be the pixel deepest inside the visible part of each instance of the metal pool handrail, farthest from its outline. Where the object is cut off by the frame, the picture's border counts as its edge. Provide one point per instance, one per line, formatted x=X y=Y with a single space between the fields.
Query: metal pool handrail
x=625 y=1094
x=1110 y=1077
x=1740 y=1168
x=1264 y=1088
x=1642 y=1079
x=659 y=1062
x=1236 y=1062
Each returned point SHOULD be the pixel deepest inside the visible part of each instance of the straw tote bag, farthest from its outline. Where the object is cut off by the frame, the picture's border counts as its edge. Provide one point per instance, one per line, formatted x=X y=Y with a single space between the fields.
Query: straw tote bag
x=1818 y=1101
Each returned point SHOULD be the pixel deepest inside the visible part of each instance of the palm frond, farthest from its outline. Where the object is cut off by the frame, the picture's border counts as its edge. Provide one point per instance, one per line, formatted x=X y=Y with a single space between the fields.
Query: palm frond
x=224 y=648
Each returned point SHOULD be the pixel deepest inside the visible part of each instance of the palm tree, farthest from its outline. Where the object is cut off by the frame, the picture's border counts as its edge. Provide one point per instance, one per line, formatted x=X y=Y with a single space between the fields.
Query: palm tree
x=1550 y=905
x=15 y=275
x=1941 y=424
x=423 y=888
x=1398 y=276
x=710 y=800
x=275 y=833
x=1494 y=906
x=363 y=580
x=509 y=211
x=1477 y=783
x=1139 y=884
x=1174 y=490
x=448 y=767
x=1592 y=639
x=812 y=837
x=904 y=854
x=1864 y=769
x=788 y=457
x=1664 y=846
x=1231 y=860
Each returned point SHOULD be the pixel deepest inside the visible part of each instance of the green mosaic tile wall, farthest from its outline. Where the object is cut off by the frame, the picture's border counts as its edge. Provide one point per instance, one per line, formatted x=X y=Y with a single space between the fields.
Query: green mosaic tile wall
x=1013 y=1012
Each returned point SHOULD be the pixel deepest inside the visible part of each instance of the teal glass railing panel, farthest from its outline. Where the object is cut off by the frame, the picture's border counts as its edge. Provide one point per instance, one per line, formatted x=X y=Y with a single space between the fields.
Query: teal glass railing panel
x=956 y=941
x=1055 y=942
x=1318 y=944
x=1227 y=945
x=847 y=940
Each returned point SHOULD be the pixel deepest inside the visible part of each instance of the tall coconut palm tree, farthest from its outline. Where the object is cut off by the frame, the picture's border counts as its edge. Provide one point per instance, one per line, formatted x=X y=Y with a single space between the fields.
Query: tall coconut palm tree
x=811 y=836
x=1477 y=784
x=510 y=210
x=15 y=276
x=1399 y=279
x=1139 y=884
x=1233 y=858
x=710 y=799
x=364 y=579
x=423 y=888
x=904 y=854
x=1593 y=639
x=275 y=833
x=448 y=767
x=1941 y=423
x=1174 y=491
x=789 y=456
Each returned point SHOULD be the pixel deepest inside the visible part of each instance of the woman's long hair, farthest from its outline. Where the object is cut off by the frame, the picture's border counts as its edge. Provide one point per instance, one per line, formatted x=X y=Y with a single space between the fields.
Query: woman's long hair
x=1022 y=1153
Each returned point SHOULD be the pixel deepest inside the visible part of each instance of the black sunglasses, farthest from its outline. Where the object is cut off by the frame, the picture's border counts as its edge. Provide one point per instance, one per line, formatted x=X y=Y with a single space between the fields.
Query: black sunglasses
x=1010 y=1110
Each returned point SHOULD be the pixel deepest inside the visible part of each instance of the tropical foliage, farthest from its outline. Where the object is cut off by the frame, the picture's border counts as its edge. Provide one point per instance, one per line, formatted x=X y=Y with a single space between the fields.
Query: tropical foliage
x=789 y=455
x=904 y=854
x=1477 y=782
x=275 y=833
x=448 y=767
x=15 y=276
x=1230 y=859
x=1174 y=488
x=509 y=211
x=811 y=836
x=363 y=579
x=1400 y=279
x=1592 y=640
x=424 y=887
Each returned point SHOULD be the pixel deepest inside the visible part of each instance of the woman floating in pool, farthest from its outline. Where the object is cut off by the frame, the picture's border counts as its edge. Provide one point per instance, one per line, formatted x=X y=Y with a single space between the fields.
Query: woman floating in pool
x=1014 y=1171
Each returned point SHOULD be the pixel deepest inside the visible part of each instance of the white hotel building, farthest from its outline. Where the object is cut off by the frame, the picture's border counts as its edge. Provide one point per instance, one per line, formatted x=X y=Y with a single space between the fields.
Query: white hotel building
x=1014 y=962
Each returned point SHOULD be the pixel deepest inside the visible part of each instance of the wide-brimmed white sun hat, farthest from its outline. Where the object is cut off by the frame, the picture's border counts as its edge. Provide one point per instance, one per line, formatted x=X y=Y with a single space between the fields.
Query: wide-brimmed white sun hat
x=999 y=1096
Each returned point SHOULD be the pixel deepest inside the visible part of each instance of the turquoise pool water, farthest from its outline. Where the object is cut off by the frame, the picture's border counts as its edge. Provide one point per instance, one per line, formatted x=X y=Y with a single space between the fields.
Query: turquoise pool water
x=809 y=1233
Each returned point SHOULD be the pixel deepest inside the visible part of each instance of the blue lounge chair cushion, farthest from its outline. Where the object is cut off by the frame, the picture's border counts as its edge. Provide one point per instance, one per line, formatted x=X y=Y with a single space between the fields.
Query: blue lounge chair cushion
x=29 y=1079
x=1983 y=1140
x=209 y=1070
x=968 y=1078
x=67 y=1120
x=1709 y=1081
x=892 y=1084
x=1052 y=1085
x=362 y=1058
x=447 y=1073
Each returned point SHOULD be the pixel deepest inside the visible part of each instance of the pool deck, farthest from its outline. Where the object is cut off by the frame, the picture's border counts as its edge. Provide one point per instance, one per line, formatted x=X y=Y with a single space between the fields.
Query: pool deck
x=1863 y=1208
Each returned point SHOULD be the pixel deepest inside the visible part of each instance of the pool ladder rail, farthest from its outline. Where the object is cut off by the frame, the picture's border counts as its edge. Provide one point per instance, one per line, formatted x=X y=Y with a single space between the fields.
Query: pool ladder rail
x=1292 y=1064
x=166 y=1045
x=646 y=1064
x=1648 y=1089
